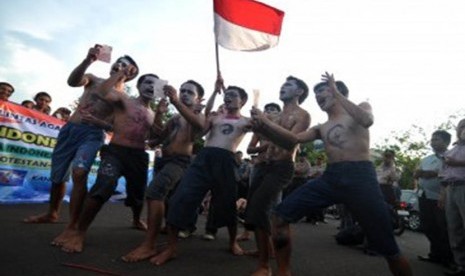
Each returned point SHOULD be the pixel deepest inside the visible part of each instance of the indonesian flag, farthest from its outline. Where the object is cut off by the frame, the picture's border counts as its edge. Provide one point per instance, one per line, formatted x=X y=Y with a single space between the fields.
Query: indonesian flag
x=246 y=25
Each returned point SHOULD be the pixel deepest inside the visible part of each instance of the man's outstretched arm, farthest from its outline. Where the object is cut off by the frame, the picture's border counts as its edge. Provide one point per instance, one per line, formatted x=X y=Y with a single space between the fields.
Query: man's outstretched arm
x=279 y=135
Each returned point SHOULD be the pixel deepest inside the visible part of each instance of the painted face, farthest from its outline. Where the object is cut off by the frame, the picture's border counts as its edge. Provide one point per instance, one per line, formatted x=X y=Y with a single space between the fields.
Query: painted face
x=5 y=92
x=324 y=98
x=188 y=94
x=147 y=87
x=272 y=110
x=120 y=64
x=232 y=99
x=289 y=90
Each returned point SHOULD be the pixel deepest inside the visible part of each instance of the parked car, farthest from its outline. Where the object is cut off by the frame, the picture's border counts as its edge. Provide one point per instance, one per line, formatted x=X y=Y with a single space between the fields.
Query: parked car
x=410 y=198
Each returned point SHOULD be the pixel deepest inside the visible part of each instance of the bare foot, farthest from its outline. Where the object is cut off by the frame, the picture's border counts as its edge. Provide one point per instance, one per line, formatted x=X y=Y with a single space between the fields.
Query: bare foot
x=252 y=253
x=63 y=237
x=142 y=252
x=236 y=249
x=262 y=271
x=42 y=218
x=139 y=225
x=243 y=237
x=166 y=255
x=74 y=244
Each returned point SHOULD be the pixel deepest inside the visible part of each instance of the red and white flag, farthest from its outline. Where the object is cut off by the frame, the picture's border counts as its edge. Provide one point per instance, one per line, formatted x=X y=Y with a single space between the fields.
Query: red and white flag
x=246 y=25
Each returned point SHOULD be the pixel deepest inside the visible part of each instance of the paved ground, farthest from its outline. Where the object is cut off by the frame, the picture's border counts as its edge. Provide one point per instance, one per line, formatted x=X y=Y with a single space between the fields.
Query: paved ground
x=25 y=249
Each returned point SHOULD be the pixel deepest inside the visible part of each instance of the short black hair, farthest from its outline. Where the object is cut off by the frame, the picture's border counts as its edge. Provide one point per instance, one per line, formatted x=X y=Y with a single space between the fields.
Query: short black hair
x=8 y=84
x=444 y=135
x=143 y=77
x=242 y=93
x=131 y=60
x=42 y=93
x=275 y=105
x=302 y=85
x=65 y=110
x=26 y=102
x=339 y=84
x=390 y=152
x=199 y=87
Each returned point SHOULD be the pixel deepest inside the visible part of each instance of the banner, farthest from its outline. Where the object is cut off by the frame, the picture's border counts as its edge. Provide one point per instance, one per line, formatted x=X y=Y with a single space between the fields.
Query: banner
x=27 y=139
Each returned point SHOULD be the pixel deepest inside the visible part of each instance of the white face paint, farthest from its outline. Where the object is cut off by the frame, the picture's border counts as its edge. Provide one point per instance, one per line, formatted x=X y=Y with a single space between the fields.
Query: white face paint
x=288 y=90
x=324 y=98
x=147 y=87
x=188 y=94
x=232 y=99
x=272 y=110
x=120 y=64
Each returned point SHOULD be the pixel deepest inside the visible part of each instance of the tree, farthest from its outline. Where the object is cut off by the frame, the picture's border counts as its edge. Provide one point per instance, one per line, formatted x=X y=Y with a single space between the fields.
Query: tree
x=411 y=146
x=314 y=150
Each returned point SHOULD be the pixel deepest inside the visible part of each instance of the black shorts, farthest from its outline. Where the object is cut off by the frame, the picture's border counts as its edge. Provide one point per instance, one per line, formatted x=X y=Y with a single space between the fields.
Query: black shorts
x=268 y=181
x=168 y=172
x=213 y=169
x=117 y=161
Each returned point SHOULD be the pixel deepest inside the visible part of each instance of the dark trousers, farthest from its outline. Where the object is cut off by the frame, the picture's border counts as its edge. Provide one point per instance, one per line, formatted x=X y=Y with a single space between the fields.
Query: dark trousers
x=434 y=225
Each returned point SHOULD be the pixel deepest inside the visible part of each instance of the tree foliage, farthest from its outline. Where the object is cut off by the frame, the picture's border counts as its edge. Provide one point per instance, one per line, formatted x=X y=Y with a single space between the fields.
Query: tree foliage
x=411 y=146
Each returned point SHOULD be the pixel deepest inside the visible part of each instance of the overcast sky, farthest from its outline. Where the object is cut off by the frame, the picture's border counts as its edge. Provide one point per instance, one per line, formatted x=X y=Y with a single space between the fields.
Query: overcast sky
x=406 y=57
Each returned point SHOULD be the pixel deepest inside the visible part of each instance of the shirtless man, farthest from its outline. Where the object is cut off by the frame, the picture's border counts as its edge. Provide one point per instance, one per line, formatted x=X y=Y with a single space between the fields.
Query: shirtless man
x=124 y=156
x=212 y=169
x=258 y=145
x=276 y=172
x=178 y=139
x=349 y=178
x=79 y=140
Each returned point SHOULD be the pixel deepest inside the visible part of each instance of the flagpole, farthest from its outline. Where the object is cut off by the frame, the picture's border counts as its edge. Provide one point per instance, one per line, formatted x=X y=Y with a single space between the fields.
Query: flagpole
x=217 y=59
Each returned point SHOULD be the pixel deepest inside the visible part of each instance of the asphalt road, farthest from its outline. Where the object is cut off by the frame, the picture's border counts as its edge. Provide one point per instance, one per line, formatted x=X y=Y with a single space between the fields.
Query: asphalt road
x=26 y=249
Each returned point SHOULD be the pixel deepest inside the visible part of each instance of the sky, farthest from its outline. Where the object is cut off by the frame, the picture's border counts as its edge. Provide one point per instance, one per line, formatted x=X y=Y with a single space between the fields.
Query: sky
x=406 y=58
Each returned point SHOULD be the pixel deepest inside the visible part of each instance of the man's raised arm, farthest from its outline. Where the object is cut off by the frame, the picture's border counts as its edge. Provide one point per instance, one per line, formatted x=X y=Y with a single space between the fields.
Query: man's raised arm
x=361 y=113
x=78 y=77
x=197 y=120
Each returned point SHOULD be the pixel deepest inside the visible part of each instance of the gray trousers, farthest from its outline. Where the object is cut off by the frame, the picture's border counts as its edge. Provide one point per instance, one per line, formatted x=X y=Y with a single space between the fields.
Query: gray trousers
x=455 y=214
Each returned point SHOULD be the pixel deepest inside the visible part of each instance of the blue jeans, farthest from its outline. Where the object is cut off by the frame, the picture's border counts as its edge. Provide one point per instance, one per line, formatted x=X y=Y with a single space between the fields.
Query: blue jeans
x=77 y=146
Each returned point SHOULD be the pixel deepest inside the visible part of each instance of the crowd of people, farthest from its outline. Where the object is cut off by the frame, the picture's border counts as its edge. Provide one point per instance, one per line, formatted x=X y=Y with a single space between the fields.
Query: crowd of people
x=184 y=177
x=41 y=102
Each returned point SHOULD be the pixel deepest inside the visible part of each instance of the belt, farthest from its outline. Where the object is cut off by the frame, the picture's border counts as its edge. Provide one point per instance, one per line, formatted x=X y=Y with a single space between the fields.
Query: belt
x=453 y=183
